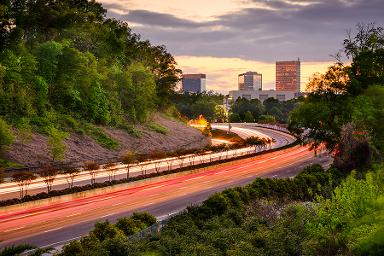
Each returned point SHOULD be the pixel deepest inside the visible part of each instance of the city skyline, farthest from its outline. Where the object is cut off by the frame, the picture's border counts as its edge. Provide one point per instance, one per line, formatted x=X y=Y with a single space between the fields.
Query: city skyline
x=226 y=37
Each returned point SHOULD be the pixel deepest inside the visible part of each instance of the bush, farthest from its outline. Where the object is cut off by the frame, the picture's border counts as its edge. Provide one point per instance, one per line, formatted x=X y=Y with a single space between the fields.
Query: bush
x=130 y=129
x=105 y=230
x=99 y=135
x=16 y=249
x=158 y=128
x=144 y=218
x=267 y=119
x=129 y=226
x=6 y=135
x=56 y=145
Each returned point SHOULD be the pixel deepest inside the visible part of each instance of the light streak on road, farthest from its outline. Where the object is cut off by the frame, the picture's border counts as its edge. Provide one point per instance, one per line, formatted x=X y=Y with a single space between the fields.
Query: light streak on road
x=11 y=190
x=53 y=221
x=52 y=217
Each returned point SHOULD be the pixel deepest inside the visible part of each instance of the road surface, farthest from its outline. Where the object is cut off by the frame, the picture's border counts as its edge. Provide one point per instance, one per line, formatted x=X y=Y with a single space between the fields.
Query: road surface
x=10 y=190
x=55 y=222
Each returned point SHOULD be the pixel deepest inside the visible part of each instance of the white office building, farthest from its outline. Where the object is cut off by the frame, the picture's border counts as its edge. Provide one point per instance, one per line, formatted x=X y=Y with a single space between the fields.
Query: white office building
x=250 y=81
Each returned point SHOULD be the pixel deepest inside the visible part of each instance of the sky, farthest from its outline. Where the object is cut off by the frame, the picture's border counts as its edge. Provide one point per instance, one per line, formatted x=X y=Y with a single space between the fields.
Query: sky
x=223 y=38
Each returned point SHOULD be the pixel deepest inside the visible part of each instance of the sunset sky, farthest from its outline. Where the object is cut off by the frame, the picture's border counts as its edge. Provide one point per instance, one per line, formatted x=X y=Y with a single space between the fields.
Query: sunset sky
x=223 y=38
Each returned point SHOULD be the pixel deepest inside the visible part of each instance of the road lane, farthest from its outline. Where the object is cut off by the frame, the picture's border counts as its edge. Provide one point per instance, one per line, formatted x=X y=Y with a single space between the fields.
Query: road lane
x=59 y=221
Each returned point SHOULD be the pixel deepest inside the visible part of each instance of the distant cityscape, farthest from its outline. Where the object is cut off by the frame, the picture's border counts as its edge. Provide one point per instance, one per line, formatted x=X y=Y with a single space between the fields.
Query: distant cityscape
x=250 y=84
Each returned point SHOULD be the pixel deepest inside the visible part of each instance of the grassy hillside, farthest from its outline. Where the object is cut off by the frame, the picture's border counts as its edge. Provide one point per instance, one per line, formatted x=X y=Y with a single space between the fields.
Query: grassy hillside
x=104 y=144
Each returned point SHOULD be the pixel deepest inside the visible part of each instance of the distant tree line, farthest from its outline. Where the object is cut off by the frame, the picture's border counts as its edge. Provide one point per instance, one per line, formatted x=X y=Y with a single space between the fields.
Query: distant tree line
x=192 y=105
x=210 y=105
x=270 y=111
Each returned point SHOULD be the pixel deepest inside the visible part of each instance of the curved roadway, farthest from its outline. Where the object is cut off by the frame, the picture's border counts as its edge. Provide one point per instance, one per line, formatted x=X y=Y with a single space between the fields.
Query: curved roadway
x=53 y=222
x=11 y=190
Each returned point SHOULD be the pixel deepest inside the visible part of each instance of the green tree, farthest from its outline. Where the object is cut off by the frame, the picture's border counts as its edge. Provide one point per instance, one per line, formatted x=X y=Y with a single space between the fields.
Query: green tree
x=248 y=117
x=128 y=159
x=192 y=105
x=48 y=173
x=368 y=114
x=106 y=230
x=137 y=92
x=48 y=55
x=23 y=180
x=365 y=48
x=24 y=130
x=242 y=105
x=350 y=201
x=267 y=119
x=56 y=145
x=234 y=118
x=6 y=136
x=256 y=142
x=344 y=94
x=221 y=115
x=204 y=107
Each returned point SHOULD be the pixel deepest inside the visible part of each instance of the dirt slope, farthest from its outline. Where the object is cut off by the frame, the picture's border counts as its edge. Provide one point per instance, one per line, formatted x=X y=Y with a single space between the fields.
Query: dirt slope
x=81 y=148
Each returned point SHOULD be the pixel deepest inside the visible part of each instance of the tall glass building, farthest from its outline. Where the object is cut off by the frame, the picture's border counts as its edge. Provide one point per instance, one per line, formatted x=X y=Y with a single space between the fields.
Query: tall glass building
x=288 y=76
x=251 y=81
x=193 y=82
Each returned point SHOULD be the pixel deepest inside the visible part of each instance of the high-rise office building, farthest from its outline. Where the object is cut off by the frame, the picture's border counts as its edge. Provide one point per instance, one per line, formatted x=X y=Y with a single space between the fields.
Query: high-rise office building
x=194 y=82
x=250 y=81
x=288 y=76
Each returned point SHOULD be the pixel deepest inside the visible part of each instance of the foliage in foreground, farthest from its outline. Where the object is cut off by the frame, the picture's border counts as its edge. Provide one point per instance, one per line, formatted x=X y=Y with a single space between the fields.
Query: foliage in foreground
x=16 y=249
x=345 y=106
x=316 y=213
x=109 y=239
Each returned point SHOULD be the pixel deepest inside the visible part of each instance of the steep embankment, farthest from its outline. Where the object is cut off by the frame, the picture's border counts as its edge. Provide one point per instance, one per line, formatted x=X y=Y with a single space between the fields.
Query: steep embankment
x=81 y=147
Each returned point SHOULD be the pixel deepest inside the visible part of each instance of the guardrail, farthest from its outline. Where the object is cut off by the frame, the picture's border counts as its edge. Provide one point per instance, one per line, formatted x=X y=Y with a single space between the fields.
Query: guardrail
x=156 y=228
x=268 y=126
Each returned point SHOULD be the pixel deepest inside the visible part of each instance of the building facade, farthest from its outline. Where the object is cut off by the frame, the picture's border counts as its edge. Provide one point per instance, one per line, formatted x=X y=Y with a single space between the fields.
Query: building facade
x=288 y=76
x=193 y=82
x=250 y=81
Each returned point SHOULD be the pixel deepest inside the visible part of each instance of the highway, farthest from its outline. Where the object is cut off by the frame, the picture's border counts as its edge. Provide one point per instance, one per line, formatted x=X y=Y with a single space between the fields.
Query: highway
x=10 y=190
x=55 y=221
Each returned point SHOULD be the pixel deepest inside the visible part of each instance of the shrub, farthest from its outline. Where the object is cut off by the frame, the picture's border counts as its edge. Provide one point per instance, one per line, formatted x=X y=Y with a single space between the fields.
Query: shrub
x=130 y=129
x=99 y=135
x=145 y=218
x=56 y=146
x=105 y=230
x=129 y=226
x=6 y=135
x=16 y=249
x=158 y=128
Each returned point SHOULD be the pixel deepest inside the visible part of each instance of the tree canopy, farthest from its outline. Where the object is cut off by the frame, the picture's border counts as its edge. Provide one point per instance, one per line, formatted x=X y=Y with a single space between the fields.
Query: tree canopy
x=66 y=57
x=347 y=95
